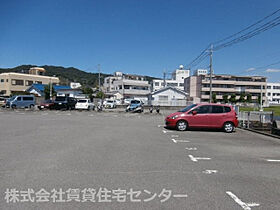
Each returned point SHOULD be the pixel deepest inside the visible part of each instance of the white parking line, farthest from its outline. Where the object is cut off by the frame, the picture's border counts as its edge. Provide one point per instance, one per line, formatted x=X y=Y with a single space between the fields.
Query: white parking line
x=210 y=171
x=195 y=159
x=174 y=135
x=165 y=131
x=176 y=141
x=244 y=205
x=191 y=148
x=271 y=160
x=161 y=126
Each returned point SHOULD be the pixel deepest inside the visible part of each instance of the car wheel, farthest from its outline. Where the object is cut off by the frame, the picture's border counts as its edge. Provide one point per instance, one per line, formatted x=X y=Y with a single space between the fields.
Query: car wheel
x=31 y=106
x=13 y=106
x=181 y=125
x=228 y=127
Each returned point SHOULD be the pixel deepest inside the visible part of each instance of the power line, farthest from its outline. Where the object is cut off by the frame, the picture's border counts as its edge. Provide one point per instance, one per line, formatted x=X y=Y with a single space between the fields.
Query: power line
x=271 y=24
x=245 y=29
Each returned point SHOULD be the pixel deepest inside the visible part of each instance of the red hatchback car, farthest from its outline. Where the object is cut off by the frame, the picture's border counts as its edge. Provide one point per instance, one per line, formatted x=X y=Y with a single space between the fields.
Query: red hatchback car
x=204 y=115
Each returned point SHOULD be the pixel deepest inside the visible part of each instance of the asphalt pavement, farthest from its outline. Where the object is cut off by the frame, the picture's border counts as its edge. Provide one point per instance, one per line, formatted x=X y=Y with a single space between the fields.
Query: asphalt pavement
x=114 y=160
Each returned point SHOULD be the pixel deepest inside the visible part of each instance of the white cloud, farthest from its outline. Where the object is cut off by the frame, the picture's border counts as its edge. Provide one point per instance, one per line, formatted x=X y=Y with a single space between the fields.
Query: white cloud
x=272 y=70
x=250 y=69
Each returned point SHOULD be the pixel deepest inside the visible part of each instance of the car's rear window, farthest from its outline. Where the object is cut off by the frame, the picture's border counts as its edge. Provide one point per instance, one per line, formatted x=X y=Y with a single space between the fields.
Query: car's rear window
x=227 y=109
x=60 y=99
x=82 y=101
x=217 y=109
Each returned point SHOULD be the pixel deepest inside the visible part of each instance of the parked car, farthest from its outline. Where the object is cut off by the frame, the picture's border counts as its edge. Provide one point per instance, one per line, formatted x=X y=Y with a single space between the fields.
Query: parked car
x=135 y=106
x=84 y=104
x=47 y=104
x=203 y=116
x=64 y=102
x=111 y=104
x=3 y=101
x=21 y=101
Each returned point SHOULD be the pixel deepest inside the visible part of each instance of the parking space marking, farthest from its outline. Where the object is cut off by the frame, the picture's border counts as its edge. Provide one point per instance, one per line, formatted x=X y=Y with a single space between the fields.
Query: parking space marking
x=174 y=135
x=165 y=131
x=176 y=141
x=244 y=205
x=210 y=171
x=195 y=159
x=271 y=160
x=161 y=126
x=191 y=148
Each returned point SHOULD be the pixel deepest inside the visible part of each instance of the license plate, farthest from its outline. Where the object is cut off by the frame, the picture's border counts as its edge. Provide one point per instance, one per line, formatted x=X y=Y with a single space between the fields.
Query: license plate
x=60 y=103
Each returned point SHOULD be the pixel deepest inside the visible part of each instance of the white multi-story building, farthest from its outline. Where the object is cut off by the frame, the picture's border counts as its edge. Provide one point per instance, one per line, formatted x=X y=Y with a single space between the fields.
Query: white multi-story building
x=177 y=80
x=273 y=93
x=127 y=86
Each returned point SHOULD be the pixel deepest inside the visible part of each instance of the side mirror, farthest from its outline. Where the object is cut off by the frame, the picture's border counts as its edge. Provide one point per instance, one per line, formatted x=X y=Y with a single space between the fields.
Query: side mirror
x=194 y=112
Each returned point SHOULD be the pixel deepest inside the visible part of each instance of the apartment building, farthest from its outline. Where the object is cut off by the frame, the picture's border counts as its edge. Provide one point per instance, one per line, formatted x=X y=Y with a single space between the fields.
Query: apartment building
x=127 y=85
x=273 y=93
x=198 y=87
x=19 y=82
x=176 y=81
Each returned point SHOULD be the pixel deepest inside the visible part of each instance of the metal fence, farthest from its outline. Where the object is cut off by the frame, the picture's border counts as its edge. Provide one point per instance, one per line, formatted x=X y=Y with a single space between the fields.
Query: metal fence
x=256 y=120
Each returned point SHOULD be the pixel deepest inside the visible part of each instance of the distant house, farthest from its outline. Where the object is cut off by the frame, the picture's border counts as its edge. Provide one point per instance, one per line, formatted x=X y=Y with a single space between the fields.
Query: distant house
x=168 y=96
x=38 y=89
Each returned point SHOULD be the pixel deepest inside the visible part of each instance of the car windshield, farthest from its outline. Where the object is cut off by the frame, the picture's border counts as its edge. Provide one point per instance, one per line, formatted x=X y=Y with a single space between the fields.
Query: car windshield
x=60 y=99
x=135 y=102
x=109 y=101
x=188 y=108
x=48 y=101
x=82 y=101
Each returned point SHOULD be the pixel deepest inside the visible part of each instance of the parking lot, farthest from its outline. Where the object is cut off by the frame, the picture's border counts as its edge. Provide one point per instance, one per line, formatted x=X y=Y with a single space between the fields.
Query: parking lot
x=118 y=160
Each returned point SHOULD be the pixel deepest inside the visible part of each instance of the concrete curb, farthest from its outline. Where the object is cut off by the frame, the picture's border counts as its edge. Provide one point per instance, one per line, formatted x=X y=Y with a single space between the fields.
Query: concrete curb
x=260 y=132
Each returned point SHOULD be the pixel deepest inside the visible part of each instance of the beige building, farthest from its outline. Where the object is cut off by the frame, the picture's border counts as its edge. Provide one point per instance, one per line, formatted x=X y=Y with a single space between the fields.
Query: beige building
x=198 y=87
x=18 y=82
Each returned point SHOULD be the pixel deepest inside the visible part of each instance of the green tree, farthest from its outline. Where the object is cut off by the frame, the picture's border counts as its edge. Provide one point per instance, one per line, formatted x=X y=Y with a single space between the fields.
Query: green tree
x=225 y=98
x=249 y=98
x=100 y=94
x=47 y=91
x=259 y=99
x=232 y=98
x=214 y=98
x=87 y=91
x=242 y=97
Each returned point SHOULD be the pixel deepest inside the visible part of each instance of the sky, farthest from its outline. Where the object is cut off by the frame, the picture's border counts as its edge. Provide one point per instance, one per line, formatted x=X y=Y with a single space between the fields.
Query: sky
x=137 y=36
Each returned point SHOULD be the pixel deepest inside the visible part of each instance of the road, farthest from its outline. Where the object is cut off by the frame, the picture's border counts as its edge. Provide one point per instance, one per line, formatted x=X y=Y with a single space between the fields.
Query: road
x=130 y=161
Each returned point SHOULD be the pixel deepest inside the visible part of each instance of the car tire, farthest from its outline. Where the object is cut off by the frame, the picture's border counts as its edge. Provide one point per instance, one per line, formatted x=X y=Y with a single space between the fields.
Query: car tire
x=181 y=125
x=31 y=106
x=228 y=127
x=13 y=106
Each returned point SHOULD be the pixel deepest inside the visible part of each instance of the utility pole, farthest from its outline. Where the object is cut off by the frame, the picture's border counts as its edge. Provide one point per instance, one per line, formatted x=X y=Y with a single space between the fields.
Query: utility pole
x=164 y=78
x=51 y=88
x=211 y=72
x=99 y=77
x=261 y=98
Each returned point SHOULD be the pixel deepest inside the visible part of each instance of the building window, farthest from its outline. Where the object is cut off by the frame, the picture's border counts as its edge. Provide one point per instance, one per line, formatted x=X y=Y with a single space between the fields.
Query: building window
x=163 y=98
x=17 y=82
x=7 y=80
x=268 y=87
x=2 y=80
x=268 y=94
x=181 y=84
x=156 y=83
x=38 y=82
x=28 y=82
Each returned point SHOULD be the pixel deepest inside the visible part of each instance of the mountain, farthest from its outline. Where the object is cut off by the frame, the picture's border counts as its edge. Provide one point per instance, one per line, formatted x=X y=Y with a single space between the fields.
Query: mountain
x=66 y=75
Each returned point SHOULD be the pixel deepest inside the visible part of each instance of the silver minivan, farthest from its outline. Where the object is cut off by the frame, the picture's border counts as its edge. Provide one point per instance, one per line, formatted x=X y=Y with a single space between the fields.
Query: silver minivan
x=21 y=101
